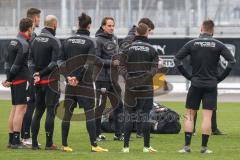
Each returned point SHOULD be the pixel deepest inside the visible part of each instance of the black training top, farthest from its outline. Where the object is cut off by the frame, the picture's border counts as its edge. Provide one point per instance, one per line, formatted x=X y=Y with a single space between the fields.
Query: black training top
x=140 y=59
x=204 y=55
x=16 y=66
x=45 y=50
x=77 y=55
x=107 y=50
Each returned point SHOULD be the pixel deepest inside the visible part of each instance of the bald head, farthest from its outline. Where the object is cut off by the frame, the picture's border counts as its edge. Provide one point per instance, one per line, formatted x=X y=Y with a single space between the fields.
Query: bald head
x=50 y=21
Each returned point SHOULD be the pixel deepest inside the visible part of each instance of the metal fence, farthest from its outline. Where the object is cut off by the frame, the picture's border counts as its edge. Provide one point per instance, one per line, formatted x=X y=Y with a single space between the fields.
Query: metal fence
x=168 y=15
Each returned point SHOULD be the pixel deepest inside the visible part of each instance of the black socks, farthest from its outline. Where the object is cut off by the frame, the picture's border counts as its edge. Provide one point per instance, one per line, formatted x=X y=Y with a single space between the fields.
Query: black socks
x=205 y=140
x=188 y=137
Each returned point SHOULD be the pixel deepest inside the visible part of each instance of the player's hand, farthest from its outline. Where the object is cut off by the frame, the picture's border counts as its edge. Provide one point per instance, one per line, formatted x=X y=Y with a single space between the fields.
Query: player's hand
x=36 y=77
x=6 y=84
x=72 y=81
x=116 y=62
x=69 y=79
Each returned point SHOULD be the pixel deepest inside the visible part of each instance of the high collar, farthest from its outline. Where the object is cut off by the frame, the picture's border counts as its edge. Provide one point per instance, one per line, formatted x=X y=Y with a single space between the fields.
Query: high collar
x=132 y=30
x=27 y=37
x=142 y=39
x=83 y=32
x=100 y=32
x=205 y=35
x=49 y=31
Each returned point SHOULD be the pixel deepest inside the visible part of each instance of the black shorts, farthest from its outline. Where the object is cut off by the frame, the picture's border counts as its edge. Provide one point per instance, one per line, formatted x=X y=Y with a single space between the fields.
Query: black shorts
x=196 y=95
x=19 y=93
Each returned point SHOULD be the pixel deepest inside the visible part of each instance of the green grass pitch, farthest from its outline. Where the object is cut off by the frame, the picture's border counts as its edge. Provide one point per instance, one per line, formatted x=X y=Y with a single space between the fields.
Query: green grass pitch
x=225 y=147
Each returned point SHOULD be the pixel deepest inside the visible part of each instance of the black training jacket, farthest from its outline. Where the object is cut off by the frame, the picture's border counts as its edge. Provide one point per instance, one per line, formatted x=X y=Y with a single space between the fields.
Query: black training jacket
x=45 y=50
x=204 y=53
x=107 y=50
x=140 y=60
x=15 y=65
x=131 y=34
x=77 y=58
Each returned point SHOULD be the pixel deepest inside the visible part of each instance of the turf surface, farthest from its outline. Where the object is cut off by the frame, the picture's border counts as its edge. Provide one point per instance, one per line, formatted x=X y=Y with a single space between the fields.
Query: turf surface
x=224 y=147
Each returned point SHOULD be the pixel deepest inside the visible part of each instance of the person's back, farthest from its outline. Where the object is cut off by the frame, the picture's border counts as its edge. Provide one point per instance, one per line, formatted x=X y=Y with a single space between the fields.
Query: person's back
x=18 y=51
x=142 y=55
x=43 y=62
x=205 y=53
x=45 y=51
x=76 y=62
x=129 y=39
x=76 y=51
x=123 y=47
x=17 y=76
x=77 y=45
x=140 y=62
